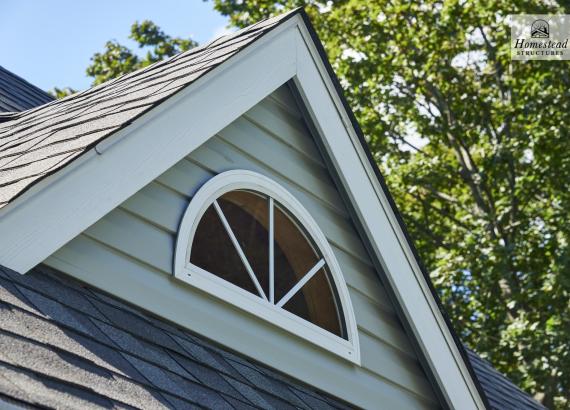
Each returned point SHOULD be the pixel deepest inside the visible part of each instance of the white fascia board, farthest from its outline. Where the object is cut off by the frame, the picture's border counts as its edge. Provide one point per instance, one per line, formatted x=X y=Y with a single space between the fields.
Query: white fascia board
x=63 y=205
x=382 y=228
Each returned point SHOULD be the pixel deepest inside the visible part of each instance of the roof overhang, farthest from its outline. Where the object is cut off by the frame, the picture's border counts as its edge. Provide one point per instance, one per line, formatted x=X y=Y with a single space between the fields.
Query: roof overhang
x=61 y=206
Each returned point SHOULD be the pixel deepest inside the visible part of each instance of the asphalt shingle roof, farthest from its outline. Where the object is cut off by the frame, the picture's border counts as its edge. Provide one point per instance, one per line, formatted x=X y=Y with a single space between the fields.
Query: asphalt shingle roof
x=16 y=94
x=40 y=141
x=64 y=344
x=501 y=393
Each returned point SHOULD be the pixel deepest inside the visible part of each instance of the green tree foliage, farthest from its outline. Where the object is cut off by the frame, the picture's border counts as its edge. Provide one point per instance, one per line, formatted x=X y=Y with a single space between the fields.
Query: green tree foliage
x=117 y=59
x=486 y=195
x=61 y=92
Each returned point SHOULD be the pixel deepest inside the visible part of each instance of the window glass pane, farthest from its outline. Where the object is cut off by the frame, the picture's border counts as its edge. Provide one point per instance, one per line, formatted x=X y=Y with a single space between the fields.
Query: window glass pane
x=316 y=303
x=295 y=256
x=248 y=215
x=213 y=251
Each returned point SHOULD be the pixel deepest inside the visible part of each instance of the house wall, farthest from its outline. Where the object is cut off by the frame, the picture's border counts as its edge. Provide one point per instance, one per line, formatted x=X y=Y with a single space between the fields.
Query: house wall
x=129 y=253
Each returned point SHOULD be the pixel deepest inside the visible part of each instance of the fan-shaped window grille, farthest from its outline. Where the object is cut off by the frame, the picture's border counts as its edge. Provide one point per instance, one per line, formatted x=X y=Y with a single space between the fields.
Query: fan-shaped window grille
x=248 y=241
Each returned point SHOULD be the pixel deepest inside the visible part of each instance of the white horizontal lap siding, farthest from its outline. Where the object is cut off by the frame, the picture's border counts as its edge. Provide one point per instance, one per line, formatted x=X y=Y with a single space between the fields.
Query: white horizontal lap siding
x=129 y=253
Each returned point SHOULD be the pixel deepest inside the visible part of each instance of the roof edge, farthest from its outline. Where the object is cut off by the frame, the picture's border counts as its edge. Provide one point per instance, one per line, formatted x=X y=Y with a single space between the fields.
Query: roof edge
x=356 y=126
x=104 y=141
x=21 y=250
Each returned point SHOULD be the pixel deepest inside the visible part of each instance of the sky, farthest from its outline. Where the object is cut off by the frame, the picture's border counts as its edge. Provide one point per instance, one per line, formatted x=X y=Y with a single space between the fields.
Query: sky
x=50 y=43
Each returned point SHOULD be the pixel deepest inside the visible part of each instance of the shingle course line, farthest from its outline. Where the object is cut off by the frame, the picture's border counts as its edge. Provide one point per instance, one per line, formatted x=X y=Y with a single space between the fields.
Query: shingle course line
x=54 y=137
x=114 y=346
x=110 y=89
x=19 y=94
x=41 y=93
x=38 y=174
x=25 y=164
x=60 y=381
x=35 y=147
x=102 y=98
x=21 y=403
x=65 y=353
x=20 y=133
x=54 y=126
x=190 y=339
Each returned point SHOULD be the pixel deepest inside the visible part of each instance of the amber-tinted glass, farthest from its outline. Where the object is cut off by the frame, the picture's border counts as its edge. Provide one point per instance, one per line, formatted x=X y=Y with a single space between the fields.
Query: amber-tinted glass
x=247 y=214
x=213 y=251
x=320 y=302
x=294 y=258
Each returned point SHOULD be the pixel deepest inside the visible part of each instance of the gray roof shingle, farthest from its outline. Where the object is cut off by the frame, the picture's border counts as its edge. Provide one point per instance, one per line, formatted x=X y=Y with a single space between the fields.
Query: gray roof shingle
x=40 y=141
x=64 y=345
x=502 y=393
x=16 y=94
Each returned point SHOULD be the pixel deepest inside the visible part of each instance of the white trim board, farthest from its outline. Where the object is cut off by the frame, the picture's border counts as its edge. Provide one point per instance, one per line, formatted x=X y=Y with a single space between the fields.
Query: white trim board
x=60 y=207
x=384 y=232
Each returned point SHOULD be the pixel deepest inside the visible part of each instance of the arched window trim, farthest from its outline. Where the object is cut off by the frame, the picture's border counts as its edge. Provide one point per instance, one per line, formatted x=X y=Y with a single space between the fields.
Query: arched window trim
x=258 y=306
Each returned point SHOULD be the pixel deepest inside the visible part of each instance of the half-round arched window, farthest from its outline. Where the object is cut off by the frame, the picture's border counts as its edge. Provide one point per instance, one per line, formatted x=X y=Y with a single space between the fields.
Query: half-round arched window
x=248 y=241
